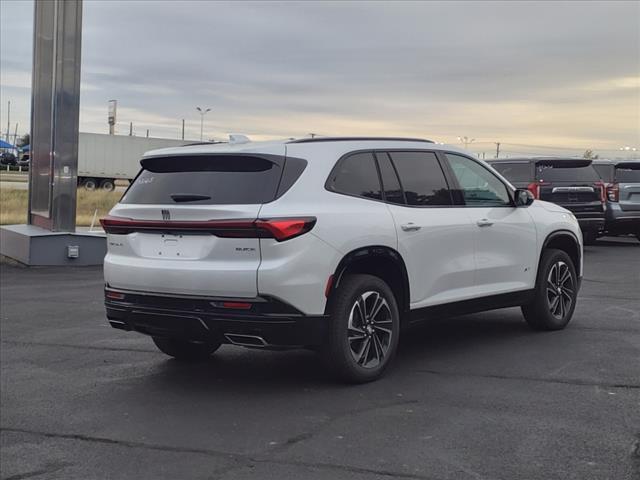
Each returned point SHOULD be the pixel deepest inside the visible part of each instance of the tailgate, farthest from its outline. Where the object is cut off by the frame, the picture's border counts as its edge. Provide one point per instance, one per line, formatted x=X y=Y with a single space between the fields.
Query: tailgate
x=627 y=175
x=574 y=184
x=186 y=225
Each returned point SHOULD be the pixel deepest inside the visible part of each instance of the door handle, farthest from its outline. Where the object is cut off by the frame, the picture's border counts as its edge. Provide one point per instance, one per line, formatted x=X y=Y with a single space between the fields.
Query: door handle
x=410 y=227
x=484 y=222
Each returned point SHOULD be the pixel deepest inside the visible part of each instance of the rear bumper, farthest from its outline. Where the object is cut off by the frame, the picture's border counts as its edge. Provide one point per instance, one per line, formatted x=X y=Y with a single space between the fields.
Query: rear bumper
x=269 y=323
x=622 y=221
x=591 y=223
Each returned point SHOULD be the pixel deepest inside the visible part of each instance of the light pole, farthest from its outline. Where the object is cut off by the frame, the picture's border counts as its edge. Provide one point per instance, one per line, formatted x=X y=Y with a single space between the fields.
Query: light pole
x=202 y=114
x=466 y=141
x=630 y=150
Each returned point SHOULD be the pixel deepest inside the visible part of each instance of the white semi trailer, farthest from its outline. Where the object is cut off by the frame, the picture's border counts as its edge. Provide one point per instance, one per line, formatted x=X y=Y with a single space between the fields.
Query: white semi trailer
x=103 y=159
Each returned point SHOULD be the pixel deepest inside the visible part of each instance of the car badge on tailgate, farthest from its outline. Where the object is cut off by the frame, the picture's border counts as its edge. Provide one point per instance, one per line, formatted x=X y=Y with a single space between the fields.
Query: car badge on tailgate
x=166 y=215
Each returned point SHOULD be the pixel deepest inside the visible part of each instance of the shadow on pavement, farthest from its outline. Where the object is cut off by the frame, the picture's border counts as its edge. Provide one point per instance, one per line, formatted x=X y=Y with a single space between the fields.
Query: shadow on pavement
x=238 y=368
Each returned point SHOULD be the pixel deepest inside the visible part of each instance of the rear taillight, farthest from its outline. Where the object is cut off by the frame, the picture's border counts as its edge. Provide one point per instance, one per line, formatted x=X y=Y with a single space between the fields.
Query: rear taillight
x=285 y=228
x=613 y=192
x=114 y=295
x=600 y=186
x=534 y=188
x=279 y=229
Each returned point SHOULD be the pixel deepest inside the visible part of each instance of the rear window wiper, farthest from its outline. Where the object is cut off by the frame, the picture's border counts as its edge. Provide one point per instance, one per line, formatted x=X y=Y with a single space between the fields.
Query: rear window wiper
x=188 y=197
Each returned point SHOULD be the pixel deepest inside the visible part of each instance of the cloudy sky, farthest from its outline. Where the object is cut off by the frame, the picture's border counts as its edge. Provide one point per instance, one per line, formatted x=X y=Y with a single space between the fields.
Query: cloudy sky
x=539 y=77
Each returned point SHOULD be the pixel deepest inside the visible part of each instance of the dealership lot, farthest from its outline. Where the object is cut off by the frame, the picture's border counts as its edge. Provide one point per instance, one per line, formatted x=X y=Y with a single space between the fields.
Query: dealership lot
x=479 y=396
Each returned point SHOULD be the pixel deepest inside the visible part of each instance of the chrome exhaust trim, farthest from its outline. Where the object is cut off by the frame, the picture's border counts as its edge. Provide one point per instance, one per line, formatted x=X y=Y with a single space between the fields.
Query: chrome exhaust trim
x=252 y=341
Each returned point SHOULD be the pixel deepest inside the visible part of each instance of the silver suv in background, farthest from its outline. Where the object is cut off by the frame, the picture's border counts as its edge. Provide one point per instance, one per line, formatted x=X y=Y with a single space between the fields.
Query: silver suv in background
x=622 y=182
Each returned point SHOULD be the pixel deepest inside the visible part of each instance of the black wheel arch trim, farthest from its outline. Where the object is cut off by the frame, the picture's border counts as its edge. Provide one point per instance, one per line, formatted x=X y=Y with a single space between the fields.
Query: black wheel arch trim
x=564 y=233
x=373 y=251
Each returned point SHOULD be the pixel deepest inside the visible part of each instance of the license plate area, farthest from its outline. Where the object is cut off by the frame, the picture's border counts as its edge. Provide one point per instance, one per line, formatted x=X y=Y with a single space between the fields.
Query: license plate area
x=177 y=246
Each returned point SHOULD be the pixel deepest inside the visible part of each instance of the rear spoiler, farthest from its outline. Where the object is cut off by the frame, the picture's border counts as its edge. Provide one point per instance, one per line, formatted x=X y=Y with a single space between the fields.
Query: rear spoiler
x=564 y=162
x=216 y=162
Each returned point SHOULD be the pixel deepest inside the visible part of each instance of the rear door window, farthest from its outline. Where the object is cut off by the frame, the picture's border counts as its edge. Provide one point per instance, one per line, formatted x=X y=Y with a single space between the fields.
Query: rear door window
x=514 y=172
x=422 y=178
x=357 y=175
x=205 y=180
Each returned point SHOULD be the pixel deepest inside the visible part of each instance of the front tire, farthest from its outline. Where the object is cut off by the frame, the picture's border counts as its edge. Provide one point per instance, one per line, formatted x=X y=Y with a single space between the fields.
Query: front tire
x=185 y=350
x=556 y=292
x=364 y=329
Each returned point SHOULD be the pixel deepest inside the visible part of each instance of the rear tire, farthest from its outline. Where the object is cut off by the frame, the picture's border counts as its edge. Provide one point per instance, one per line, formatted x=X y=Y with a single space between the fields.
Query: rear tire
x=185 y=350
x=90 y=184
x=556 y=292
x=107 y=185
x=364 y=329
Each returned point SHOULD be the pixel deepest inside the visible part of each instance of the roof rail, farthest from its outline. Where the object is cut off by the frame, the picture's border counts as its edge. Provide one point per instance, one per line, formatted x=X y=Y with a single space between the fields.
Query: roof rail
x=351 y=139
x=200 y=143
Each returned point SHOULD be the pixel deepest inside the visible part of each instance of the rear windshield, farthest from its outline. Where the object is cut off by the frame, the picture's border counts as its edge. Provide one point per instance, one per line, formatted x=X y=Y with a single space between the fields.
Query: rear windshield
x=514 y=172
x=628 y=174
x=552 y=173
x=205 y=180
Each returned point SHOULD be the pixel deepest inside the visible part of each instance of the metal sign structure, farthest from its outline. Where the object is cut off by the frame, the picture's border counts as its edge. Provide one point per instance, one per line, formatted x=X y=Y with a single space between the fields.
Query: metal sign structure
x=55 y=112
x=113 y=106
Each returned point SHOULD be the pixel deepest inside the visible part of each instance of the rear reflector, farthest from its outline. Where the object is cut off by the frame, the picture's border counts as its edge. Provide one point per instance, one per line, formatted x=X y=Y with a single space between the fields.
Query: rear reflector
x=236 y=305
x=279 y=229
x=327 y=289
x=114 y=295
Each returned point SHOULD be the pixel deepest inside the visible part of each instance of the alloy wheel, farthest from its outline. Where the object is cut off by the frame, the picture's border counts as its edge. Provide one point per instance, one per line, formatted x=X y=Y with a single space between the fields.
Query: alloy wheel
x=560 y=289
x=370 y=329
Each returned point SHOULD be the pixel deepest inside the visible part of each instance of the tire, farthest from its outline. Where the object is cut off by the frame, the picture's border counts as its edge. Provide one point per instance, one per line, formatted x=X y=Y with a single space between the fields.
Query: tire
x=374 y=341
x=107 y=185
x=185 y=350
x=90 y=184
x=544 y=312
x=590 y=237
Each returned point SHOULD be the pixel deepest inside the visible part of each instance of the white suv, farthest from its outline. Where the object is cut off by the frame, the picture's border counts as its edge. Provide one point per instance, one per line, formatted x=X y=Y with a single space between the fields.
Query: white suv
x=334 y=244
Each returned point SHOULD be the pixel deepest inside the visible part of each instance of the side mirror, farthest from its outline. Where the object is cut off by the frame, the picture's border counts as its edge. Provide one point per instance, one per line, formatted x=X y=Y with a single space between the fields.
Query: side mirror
x=523 y=197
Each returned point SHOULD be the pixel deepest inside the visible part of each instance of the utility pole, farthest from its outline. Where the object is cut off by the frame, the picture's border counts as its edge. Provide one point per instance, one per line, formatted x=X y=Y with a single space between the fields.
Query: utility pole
x=8 y=118
x=202 y=114
x=15 y=135
x=183 y=129
x=130 y=129
x=497 y=149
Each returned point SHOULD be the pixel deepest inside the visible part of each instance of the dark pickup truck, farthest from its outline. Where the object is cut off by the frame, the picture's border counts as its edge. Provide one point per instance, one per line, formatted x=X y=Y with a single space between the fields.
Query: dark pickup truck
x=569 y=182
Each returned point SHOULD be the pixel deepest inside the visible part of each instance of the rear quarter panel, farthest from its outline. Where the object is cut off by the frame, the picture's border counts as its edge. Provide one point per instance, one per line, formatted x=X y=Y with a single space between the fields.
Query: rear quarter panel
x=297 y=270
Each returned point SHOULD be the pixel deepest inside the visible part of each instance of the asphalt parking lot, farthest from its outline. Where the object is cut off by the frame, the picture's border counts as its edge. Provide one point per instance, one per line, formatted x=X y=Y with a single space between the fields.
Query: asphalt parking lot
x=475 y=397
